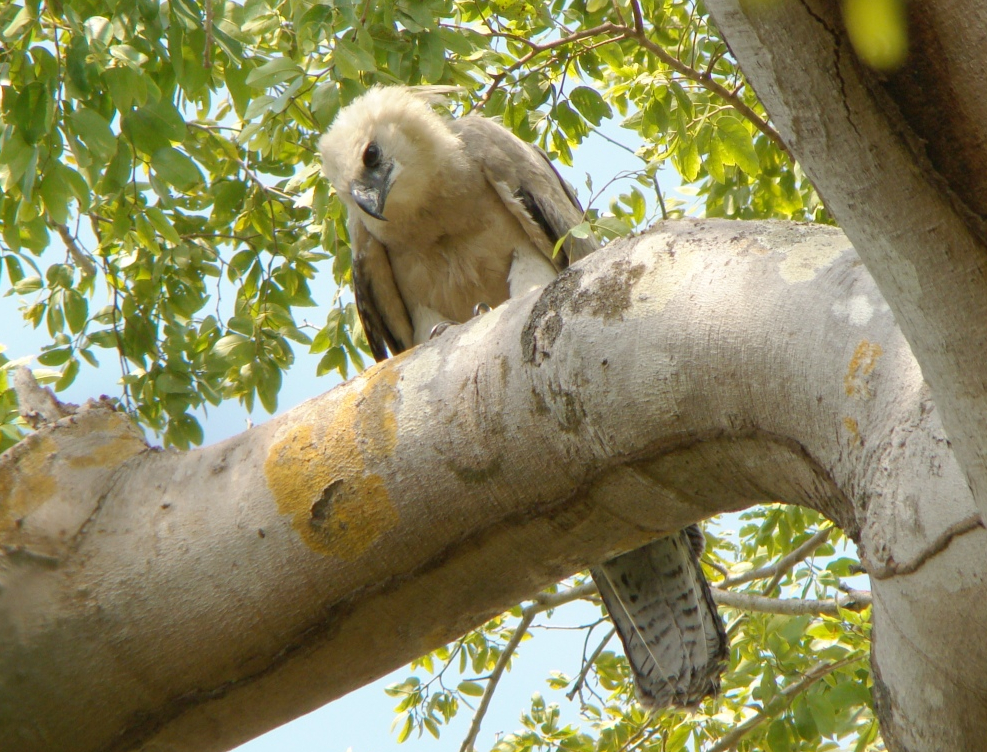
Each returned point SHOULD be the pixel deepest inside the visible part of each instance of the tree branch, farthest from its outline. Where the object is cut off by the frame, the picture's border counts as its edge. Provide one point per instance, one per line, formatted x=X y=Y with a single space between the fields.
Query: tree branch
x=81 y=259
x=779 y=703
x=638 y=33
x=857 y=601
x=588 y=663
x=540 y=603
x=778 y=568
x=527 y=616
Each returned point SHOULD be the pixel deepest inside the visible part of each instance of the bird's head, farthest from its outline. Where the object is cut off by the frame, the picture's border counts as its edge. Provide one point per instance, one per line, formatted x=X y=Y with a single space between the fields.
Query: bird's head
x=383 y=149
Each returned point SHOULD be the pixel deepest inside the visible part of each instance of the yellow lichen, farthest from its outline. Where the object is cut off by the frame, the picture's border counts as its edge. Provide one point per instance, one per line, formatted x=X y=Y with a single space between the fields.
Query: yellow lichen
x=113 y=452
x=850 y=424
x=319 y=470
x=27 y=485
x=861 y=365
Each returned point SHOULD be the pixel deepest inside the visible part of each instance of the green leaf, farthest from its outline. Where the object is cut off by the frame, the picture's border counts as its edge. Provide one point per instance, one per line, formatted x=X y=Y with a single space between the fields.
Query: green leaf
x=778 y=738
x=55 y=357
x=274 y=72
x=590 y=104
x=28 y=285
x=154 y=127
x=352 y=60
x=686 y=160
x=68 y=375
x=118 y=172
x=333 y=360
x=56 y=191
x=26 y=17
x=185 y=430
x=406 y=729
x=176 y=169
x=822 y=710
x=714 y=161
x=76 y=310
x=169 y=383
x=738 y=146
x=126 y=86
x=94 y=130
x=473 y=689
x=258 y=106
x=432 y=726
x=269 y=385
x=15 y=158
x=431 y=61
x=79 y=187
x=33 y=111
x=804 y=724
x=160 y=222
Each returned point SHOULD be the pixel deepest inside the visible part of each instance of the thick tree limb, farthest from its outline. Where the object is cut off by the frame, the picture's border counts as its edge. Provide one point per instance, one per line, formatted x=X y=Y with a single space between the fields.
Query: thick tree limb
x=193 y=600
x=895 y=158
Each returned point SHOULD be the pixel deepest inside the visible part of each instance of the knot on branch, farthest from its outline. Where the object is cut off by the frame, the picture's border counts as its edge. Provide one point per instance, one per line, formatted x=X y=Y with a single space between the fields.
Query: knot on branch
x=37 y=404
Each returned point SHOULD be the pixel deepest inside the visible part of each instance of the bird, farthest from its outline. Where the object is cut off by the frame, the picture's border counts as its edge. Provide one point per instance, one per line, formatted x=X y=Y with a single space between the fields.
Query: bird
x=449 y=216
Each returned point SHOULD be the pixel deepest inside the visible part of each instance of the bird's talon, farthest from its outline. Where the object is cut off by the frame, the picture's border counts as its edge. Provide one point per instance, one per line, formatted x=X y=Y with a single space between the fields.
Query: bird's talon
x=439 y=328
x=480 y=308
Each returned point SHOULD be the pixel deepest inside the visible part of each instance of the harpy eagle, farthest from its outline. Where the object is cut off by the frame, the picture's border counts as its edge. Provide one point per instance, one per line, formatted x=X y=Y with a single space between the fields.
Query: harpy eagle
x=448 y=214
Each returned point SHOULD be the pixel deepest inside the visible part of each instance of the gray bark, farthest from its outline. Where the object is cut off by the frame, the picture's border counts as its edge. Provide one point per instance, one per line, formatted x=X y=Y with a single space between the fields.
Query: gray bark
x=173 y=601
x=899 y=159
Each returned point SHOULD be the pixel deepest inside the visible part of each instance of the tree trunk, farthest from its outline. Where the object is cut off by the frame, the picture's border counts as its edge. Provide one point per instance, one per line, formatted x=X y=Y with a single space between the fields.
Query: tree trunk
x=900 y=161
x=194 y=600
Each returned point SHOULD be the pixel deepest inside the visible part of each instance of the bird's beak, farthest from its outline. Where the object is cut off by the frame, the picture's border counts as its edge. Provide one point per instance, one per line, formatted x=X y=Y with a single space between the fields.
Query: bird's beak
x=370 y=189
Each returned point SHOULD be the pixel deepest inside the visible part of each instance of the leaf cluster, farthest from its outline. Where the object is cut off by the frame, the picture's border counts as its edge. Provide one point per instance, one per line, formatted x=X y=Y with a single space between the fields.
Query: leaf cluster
x=793 y=682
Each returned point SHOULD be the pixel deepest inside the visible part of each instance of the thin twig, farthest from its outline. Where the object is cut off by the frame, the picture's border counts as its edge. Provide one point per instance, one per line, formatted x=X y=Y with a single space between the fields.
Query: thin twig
x=546 y=601
x=83 y=261
x=588 y=664
x=783 y=564
x=779 y=703
x=540 y=603
x=527 y=616
x=638 y=32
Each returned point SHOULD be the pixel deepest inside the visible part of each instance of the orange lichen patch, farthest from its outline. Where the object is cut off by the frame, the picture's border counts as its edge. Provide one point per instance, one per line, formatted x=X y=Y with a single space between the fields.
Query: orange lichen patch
x=318 y=471
x=29 y=483
x=850 y=424
x=861 y=365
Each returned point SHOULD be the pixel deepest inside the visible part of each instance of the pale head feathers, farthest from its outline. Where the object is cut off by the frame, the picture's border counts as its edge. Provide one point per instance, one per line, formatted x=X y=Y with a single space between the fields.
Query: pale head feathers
x=412 y=136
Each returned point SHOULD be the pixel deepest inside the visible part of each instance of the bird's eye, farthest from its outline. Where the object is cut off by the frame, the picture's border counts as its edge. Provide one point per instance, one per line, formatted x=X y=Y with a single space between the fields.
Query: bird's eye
x=371 y=155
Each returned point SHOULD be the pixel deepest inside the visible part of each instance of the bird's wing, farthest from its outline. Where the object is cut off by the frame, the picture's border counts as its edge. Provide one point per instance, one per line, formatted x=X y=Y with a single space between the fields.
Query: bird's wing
x=529 y=185
x=664 y=613
x=378 y=301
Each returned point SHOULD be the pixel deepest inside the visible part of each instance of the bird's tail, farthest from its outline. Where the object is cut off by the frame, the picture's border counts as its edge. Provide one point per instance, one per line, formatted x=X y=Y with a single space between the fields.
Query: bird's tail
x=664 y=612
